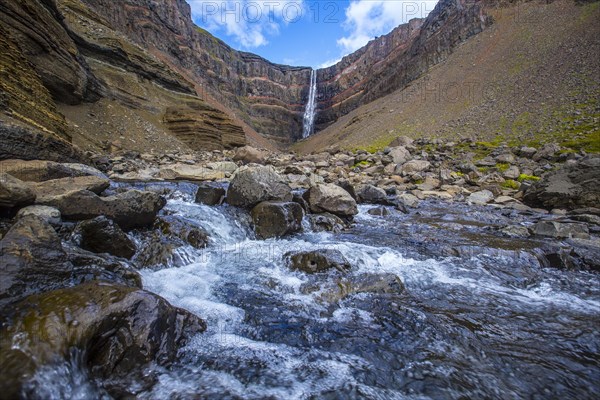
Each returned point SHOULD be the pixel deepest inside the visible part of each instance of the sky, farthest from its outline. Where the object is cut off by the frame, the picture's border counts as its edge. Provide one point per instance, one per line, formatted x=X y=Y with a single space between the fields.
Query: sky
x=313 y=33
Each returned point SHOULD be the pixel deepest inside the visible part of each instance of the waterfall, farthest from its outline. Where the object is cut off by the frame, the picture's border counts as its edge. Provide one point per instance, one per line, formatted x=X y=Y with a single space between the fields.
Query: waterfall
x=311 y=106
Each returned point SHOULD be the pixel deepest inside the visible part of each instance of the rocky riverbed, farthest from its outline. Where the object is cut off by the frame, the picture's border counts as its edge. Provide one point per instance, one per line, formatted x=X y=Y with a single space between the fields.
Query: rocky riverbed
x=429 y=270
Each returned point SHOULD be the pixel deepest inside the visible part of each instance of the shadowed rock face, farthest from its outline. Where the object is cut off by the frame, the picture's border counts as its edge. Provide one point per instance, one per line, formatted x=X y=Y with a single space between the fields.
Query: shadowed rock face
x=118 y=329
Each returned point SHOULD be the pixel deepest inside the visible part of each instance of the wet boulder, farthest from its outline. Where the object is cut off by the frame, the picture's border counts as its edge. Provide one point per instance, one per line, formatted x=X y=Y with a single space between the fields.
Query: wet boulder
x=277 y=219
x=211 y=196
x=32 y=259
x=166 y=244
x=317 y=261
x=14 y=192
x=131 y=209
x=371 y=195
x=332 y=199
x=326 y=222
x=101 y=235
x=254 y=184
x=379 y=212
x=122 y=331
x=561 y=230
x=174 y=226
x=573 y=186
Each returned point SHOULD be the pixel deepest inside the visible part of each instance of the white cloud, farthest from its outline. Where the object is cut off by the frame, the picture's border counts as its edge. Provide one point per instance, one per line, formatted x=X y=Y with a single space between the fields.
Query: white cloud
x=249 y=22
x=366 y=19
x=329 y=63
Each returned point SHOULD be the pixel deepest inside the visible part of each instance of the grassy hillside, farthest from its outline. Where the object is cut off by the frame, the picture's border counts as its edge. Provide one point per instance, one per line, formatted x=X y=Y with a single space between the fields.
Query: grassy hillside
x=533 y=77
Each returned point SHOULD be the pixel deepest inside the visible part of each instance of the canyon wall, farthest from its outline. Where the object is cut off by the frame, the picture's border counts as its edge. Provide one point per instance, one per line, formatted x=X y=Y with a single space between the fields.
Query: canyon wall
x=139 y=74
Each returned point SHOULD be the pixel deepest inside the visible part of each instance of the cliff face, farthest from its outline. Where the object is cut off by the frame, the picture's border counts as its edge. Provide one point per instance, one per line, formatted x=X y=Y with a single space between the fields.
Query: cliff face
x=271 y=98
x=138 y=74
x=267 y=96
x=392 y=61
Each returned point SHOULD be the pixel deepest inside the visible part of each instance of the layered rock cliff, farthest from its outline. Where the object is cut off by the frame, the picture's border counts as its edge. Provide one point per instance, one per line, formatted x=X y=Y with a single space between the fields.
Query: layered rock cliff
x=139 y=74
x=271 y=98
x=392 y=61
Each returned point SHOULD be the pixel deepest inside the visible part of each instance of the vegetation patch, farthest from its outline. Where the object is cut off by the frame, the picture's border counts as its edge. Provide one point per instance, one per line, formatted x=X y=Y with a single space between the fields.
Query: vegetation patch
x=510 y=184
x=528 y=178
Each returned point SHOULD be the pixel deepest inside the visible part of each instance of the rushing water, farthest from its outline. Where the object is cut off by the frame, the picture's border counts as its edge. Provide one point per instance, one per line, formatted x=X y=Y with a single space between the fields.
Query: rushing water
x=476 y=326
x=490 y=323
x=311 y=106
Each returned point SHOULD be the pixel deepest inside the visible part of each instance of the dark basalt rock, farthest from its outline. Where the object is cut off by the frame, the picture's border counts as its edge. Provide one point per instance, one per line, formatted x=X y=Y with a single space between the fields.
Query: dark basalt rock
x=211 y=196
x=131 y=209
x=254 y=184
x=174 y=226
x=120 y=330
x=101 y=235
x=371 y=194
x=326 y=222
x=14 y=192
x=277 y=219
x=33 y=260
x=573 y=186
x=317 y=261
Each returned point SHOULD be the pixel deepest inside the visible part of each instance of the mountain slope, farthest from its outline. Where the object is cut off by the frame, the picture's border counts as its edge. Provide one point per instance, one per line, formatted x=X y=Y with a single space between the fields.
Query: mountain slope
x=532 y=76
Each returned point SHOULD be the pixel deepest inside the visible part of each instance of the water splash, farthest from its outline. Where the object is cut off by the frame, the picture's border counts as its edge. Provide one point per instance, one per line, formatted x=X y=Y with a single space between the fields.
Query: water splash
x=311 y=106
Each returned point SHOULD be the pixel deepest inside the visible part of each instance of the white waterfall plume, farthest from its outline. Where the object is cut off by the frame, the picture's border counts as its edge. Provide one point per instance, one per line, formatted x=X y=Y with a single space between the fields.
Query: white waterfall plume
x=311 y=106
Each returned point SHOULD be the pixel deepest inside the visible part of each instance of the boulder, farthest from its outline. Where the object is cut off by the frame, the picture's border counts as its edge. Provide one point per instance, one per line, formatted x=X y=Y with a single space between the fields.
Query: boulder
x=254 y=184
x=41 y=170
x=561 y=230
x=348 y=187
x=527 y=152
x=174 y=226
x=331 y=198
x=409 y=200
x=277 y=219
x=573 y=186
x=402 y=141
x=33 y=260
x=131 y=209
x=48 y=214
x=123 y=333
x=481 y=197
x=14 y=192
x=413 y=166
x=58 y=187
x=400 y=154
x=371 y=195
x=101 y=235
x=248 y=155
x=512 y=172
x=212 y=196
x=326 y=222
x=186 y=172
x=317 y=261
x=379 y=211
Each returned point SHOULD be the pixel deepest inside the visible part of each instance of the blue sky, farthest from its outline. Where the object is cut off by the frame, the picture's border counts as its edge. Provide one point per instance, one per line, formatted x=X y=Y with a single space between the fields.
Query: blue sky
x=303 y=32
